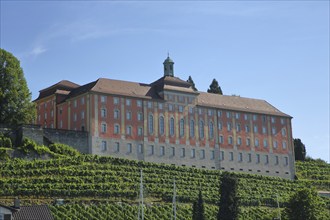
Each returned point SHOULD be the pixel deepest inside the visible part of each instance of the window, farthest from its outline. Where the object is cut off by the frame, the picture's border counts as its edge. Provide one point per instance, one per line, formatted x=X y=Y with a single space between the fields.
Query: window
x=273 y=120
x=228 y=126
x=200 y=111
x=275 y=144
x=282 y=121
x=129 y=130
x=170 y=107
x=192 y=153
x=82 y=115
x=182 y=152
x=264 y=129
x=116 y=129
x=128 y=115
x=82 y=100
x=103 y=98
x=265 y=143
x=180 y=108
x=286 y=161
x=61 y=124
x=239 y=141
x=284 y=144
x=172 y=126
x=212 y=155
x=75 y=103
x=151 y=150
x=61 y=110
x=240 y=157
x=211 y=130
x=264 y=118
x=219 y=113
x=249 y=158
x=151 y=123
x=228 y=114
x=283 y=132
x=128 y=102
x=161 y=151
x=161 y=125
x=103 y=146
x=273 y=130
x=266 y=159
x=52 y=113
x=103 y=112
x=181 y=127
x=116 y=114
x=248 y=142
x=237 y=115
x=149 y=104
x=140 y=131
x=246 y=117
x=231 y=156
x=230 y=140
x=160 y=106
x=255 y=128
x=45 y=115
x=202 y=154
x=129 y=148
x=75 y=117
x=256 y=142
x=139 y=116
x=276 y=160
x=220 y=126
x=255 y=117
x=104 y=127
x=191 y=110
x=210 y=112
x=258 y=158
x=238 y=127
x=172 y=151
x=222 y=155
x=221 y=139
x=116 y=147
x=115 y=100
x=201 y=129
x=192 y=128
x=139 y=103
x=247 y=128
x=140 y=148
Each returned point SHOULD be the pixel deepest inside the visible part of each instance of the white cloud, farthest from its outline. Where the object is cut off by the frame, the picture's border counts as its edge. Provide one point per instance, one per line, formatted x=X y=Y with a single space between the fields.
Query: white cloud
x=37 y=50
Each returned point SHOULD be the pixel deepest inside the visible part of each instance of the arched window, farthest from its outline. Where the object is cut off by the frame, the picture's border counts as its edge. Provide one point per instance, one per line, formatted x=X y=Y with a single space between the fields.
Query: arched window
x=161 y=125
x=172 y=126
x=151 y=123
x=211 y=129
x=181 y=126
x=192 y=128
x=201 y=129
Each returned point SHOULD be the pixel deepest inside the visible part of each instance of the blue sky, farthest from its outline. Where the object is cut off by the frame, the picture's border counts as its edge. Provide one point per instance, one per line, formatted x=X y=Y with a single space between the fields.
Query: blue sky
x=275 y=50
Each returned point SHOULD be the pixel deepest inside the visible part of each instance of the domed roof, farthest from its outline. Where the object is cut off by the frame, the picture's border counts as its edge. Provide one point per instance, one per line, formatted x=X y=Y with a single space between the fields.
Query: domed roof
x=168 y=60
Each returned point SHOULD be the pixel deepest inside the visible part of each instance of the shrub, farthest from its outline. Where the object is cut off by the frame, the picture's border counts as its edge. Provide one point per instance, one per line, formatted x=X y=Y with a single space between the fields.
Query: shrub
x=63 y=149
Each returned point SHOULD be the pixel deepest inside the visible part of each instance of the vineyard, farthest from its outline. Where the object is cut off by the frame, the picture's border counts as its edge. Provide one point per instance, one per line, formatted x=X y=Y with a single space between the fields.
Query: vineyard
x=95 y=187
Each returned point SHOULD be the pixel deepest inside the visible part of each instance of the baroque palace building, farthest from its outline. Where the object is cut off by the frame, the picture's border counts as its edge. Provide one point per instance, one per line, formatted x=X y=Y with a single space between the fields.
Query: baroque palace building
x=168 y=122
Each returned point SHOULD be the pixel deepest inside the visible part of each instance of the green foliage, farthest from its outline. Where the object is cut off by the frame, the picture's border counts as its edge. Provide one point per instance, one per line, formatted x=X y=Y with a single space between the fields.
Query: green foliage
x=228 y=200
x=4 y=153
x=5 y=141
x=299 y=150
x=15 y=99
x=63 y=149
x=191 y=81
x=215 y=88
x=198 y=208
x=306 y=204
x=28 y=146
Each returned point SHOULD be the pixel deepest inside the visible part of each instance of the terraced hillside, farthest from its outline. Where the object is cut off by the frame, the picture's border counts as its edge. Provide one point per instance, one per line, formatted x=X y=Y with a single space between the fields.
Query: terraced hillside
x=96 y=187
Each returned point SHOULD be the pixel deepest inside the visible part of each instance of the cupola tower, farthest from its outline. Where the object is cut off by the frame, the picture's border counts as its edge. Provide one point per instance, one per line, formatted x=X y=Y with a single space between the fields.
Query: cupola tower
x=168 y=67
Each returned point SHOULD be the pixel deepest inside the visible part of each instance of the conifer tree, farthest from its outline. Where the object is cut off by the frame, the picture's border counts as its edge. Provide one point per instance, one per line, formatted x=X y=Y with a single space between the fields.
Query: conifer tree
x=215 y=88
x=191 y=81
x=299 y=150
x=228 y=209
x=15 y=98
x=198 y=208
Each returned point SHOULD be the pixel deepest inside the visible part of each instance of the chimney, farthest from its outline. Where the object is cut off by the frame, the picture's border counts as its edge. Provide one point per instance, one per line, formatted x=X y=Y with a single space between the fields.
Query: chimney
x=17 y=203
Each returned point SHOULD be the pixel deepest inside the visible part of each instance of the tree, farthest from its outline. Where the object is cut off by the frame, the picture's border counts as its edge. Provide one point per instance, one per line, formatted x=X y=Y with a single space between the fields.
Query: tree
x=198 y=208
x=215 y=88
x=305 y=204
x=228 y=209
x=15 y=98
x=299 y=150
x=191 y=81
